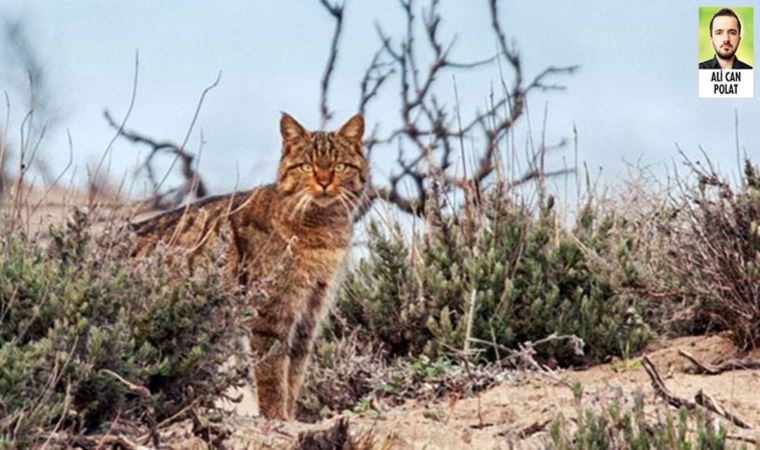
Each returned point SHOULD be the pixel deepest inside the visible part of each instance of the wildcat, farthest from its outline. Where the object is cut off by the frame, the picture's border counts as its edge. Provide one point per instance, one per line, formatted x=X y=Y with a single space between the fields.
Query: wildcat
x=288 y=239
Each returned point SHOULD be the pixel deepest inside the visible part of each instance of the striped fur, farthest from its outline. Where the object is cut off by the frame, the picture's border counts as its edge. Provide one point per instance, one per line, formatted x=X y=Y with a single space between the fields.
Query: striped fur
x=288 y=239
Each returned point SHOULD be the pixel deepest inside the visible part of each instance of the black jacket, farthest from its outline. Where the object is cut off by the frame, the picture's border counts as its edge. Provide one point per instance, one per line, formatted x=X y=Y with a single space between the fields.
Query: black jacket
x=713 y=64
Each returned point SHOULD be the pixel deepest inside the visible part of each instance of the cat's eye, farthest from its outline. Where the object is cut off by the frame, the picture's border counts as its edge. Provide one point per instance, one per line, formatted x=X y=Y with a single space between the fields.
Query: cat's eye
x=306 y=167
x=340 y=167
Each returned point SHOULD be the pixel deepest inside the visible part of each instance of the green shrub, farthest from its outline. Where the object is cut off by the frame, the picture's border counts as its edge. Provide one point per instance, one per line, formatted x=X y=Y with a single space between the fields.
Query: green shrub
x=620 y=425
x=74 y=314
x=504 y=278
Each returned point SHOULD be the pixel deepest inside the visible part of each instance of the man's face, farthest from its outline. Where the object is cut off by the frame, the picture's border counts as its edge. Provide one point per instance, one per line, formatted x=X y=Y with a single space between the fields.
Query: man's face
x=725 y=36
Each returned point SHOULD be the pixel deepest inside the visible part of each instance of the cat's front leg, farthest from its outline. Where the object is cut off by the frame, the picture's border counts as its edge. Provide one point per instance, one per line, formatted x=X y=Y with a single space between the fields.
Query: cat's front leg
x=270 y=341
x=302 y=342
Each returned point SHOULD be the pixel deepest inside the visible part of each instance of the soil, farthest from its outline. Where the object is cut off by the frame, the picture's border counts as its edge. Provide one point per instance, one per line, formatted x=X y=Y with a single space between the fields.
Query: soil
x=517 y=413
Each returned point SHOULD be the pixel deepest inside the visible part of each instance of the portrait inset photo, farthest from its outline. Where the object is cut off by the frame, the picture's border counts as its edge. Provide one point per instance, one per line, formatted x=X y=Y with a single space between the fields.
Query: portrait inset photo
x=726 y=38
x=726 y=52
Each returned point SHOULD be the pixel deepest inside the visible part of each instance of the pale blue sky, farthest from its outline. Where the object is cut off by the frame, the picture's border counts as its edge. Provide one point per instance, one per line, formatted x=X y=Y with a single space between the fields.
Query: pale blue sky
x=634 y=96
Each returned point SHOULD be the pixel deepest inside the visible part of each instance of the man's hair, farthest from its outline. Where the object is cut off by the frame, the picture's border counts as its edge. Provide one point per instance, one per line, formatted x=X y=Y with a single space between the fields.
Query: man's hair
x=726 y=12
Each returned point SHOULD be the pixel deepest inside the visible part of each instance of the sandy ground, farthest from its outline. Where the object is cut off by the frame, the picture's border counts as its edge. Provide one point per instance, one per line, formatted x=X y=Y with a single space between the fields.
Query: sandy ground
x=495 y=418
x=40 y=207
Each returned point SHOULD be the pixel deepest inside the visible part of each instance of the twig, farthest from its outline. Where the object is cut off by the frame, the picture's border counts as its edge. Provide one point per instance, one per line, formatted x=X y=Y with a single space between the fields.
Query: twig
x=193 y=185
x=470 y=320
x=111 y=441
x=4 y=145
x=701 y=399
x=477 y=396
x=60 y=175
x=120 y=128
x=661 y=390
x=740 y=438
x=728 y=366
x=66 y=404
x=145 y=395
x=535 y=427
x=374 y=77
x=141 y=391
x=707 y=401
x=336 y=11
x=197 y=112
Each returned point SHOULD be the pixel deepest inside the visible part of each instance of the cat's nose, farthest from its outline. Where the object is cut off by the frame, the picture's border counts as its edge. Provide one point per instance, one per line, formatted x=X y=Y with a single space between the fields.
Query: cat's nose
x=323 y=183
x=323 y=178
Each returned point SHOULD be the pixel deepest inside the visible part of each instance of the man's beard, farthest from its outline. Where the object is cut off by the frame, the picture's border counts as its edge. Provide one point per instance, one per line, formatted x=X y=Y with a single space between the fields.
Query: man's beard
x=725 y=54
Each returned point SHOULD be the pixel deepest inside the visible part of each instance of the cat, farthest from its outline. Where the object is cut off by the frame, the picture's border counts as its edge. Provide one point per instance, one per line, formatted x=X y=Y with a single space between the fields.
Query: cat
x=288 y=239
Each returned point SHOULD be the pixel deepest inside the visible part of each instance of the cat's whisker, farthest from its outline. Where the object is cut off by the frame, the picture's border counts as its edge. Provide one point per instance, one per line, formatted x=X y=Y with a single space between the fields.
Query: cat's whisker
x=303 y=197
x=351 y=198
x=298 y=201
x=352 y=208
x=351 y=204
x=345 y=203
x=306 y=205
x=303 y=201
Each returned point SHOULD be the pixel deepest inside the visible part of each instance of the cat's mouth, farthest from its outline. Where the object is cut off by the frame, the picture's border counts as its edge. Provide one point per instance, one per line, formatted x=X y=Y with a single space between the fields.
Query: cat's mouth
x=323 y=199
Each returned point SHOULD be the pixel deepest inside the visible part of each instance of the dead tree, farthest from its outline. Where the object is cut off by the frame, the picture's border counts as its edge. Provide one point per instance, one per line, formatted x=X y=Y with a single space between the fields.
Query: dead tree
x=431 y=135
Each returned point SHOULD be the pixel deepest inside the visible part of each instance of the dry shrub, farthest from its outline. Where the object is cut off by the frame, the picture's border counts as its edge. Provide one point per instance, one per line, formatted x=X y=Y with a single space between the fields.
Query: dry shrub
x=713 y=251
x=342 y=373
x=348 y=374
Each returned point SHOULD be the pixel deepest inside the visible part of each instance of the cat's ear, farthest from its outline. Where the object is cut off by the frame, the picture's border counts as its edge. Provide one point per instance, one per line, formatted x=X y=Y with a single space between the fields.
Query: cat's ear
x=290 y=129
x=353 y=130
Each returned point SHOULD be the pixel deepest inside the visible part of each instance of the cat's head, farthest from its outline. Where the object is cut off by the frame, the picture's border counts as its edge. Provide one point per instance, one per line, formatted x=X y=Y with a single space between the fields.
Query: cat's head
x=322 y=169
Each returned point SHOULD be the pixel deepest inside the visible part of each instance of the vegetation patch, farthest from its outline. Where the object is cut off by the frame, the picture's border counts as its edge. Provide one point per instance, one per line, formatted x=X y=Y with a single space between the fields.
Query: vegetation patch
x=87 y=337
x=509 y=275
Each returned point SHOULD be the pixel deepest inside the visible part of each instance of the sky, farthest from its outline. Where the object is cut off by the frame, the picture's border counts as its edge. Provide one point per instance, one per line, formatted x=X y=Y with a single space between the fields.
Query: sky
x=632 y=100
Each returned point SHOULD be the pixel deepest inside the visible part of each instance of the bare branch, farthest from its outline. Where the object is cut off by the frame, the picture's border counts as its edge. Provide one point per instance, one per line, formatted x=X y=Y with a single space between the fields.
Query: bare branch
x=429 y=131
x=133 y=96
x=193 y=186
x=205 y=92
x=709 y=369
x=701 y=398
x=538 y=82
x=336 y=11
x=374 y=77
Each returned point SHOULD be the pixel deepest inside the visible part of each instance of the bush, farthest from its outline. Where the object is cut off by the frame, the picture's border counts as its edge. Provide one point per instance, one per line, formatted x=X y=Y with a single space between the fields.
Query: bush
x=74 y=317
x=621 y=425
x=349 y=375
x=342 y=373
x=503 y=278
x=713 y=246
